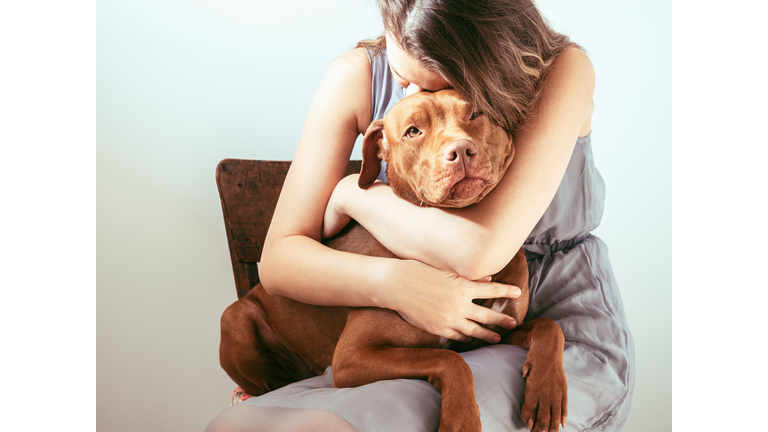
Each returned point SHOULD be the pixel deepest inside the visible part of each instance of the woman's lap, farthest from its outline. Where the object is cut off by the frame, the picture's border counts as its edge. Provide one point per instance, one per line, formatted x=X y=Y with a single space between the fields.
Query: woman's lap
x=576 y=288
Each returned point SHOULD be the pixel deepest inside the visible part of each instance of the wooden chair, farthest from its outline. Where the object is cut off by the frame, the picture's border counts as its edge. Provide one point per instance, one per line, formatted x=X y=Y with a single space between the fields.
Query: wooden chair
x=249 y=190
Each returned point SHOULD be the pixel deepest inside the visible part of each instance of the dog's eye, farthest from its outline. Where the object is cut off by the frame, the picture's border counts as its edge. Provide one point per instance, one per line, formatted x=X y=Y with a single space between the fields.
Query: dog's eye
x=413 y=132
x=476 y=114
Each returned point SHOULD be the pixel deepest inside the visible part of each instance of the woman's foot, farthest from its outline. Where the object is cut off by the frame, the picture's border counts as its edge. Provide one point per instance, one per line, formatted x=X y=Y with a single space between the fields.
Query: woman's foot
x=238 y=395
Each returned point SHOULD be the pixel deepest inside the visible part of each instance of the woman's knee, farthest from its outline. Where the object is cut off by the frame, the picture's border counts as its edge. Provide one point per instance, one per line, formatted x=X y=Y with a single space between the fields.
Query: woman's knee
x=247 y=418
x=316 y=420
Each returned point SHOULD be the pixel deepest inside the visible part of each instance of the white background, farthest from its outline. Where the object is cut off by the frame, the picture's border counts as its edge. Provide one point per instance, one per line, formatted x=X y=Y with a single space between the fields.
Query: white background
x=182 y=85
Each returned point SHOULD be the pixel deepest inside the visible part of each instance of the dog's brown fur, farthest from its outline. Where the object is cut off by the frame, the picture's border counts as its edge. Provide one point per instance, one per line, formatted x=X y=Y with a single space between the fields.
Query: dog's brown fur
x=452 y=158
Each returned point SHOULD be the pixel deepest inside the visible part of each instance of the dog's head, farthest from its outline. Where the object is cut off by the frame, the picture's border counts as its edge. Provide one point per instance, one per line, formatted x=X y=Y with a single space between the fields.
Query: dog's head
x=438 y=152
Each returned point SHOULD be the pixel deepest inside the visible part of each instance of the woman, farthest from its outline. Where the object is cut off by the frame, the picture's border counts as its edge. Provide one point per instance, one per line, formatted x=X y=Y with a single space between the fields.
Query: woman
x=503 y=58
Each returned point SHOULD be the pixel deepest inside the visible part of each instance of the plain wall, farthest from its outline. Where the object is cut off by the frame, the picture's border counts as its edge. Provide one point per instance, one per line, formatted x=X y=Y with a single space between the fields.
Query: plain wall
x=184 y=84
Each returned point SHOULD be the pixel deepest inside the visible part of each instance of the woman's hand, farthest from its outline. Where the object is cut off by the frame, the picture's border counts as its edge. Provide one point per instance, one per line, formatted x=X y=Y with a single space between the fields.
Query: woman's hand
x=336 y=217
x=436 y=301
x=440 y=302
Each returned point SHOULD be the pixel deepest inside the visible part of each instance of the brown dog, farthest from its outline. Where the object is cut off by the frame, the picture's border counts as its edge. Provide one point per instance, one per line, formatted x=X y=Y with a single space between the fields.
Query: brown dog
x=438 y=153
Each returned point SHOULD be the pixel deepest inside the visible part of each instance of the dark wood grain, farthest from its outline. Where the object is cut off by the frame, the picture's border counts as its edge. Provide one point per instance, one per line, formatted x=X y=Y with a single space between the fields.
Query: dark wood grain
x=249 y=190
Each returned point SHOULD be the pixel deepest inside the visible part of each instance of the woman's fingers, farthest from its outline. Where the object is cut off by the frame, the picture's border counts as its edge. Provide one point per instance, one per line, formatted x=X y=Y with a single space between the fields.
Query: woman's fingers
x=484 y=279
x=441 y=302
x=496 y=290
x=459 y=337
x=477 y=331
x=484 y=315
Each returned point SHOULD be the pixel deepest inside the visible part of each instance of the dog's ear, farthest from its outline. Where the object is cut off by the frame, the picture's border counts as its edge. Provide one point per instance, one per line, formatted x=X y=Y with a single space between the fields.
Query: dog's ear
x=372 y=143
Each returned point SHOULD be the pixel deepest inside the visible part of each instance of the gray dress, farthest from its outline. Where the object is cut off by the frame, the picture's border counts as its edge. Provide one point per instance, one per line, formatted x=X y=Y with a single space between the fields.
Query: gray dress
x=571 y=282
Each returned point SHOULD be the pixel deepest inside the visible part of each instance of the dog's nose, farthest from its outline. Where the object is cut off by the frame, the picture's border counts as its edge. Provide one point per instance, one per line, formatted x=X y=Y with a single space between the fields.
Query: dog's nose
x=457 y=151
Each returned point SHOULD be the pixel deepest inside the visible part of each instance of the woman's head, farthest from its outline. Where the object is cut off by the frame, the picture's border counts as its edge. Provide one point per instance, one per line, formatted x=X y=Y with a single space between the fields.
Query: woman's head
x=409 y=71
x=494 y=52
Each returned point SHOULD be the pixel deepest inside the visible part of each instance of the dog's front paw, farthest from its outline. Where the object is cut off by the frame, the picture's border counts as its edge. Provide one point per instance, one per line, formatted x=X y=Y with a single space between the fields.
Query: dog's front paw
x=545 y=405
x=462 y=419
x=459 y=411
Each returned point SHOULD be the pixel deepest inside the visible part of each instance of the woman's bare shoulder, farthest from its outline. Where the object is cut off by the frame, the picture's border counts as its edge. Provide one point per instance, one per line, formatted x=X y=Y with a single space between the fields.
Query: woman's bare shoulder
x=573 y=68
x=351 y=68
x=574 y=59
x=349 y=78
x=355 y=58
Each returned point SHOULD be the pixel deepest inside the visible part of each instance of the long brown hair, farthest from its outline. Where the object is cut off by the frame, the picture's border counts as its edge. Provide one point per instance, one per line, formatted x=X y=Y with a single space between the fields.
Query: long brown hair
x=496 y=53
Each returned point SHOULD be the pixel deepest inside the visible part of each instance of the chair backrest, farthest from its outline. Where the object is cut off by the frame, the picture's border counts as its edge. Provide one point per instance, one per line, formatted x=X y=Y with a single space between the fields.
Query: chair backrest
x=249 y=190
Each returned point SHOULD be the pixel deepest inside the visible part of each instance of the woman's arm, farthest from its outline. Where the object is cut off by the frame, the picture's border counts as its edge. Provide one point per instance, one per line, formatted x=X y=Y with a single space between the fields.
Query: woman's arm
x=296 y=265
x=481 y=239
x=333 y=122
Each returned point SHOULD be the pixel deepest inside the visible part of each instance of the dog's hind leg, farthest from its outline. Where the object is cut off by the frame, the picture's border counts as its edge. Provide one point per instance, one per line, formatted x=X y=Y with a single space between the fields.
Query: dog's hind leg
x=250 y=352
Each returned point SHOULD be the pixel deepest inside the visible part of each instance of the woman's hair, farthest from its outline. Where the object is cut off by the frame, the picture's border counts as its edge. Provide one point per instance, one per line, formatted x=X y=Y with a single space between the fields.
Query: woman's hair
x=496 y=53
